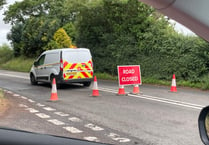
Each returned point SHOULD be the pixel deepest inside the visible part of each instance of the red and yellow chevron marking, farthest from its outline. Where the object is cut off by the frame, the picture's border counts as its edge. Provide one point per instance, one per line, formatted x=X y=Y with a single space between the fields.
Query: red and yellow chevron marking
x=77 y=70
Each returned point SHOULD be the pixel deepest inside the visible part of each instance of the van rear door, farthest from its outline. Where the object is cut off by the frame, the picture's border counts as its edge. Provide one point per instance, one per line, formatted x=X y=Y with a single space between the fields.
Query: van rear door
x=77 y=64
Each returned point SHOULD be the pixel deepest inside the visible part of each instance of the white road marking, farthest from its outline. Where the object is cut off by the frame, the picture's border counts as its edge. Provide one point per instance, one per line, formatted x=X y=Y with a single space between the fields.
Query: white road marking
x=158 y=99
x=74 y=119
x=15 y=76
x=23 y=97
x=42 y=115
x=56 y=122
x=61 y=114
x=92 y=138
x=168 y=102
x=16 y=95
x=116 y=137
x=94 y=127
x=31 y=101
x=31 y=110
x=9 y=92
x=49 y=109
x=73 y=129
x=181 y=102
x=22 y=105
x=40 y=105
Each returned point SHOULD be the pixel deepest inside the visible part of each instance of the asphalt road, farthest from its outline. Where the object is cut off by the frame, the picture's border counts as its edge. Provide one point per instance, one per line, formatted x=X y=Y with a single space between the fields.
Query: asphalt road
x=155 y=117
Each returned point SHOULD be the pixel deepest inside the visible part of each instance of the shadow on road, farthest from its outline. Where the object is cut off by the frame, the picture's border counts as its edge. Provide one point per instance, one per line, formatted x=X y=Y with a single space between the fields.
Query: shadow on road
x=64 y=86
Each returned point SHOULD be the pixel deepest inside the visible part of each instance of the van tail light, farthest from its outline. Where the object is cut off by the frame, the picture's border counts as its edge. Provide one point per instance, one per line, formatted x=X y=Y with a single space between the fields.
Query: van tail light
x=61 y=65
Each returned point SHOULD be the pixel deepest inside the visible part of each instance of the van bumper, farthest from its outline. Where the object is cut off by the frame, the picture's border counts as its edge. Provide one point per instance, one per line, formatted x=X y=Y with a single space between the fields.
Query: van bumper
x=76 y=80
x=61 y=80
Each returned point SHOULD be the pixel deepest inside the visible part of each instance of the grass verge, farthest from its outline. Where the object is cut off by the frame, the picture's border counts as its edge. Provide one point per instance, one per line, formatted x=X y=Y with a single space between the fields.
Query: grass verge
x=20 y=64
x=105 y=76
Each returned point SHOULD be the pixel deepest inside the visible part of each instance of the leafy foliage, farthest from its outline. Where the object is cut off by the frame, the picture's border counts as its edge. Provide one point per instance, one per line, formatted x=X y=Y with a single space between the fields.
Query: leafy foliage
x=60 y=40
x=15 y=36
x=2 y=2
x=39 y=20
x=36 y=34
x=70 y=29
x=118 y=32
x=132 y=33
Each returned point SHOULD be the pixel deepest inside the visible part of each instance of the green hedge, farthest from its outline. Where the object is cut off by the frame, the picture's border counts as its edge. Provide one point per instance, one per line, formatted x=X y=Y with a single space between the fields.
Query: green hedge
x=132 y=33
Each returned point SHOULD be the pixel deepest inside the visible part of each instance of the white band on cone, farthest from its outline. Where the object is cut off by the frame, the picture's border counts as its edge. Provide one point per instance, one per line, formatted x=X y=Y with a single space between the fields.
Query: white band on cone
x=121 y=86
x=95 y=87
x=173 y=82
x=54 y=88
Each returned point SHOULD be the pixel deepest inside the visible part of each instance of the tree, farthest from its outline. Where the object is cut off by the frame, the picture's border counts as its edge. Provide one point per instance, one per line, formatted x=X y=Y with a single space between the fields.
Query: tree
x=60 y=40
x=39 y=19
x=37 y=32
x=118 y=32
x=65 y=10
x=2 y=2
x=19 y=12
x=70 y=29
x=112 y=31
x=15 y=35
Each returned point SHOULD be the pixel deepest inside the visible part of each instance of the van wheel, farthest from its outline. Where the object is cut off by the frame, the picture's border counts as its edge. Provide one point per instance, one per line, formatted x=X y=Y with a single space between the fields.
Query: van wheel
x=57 y=84
x=87 y=84
x=33 y=80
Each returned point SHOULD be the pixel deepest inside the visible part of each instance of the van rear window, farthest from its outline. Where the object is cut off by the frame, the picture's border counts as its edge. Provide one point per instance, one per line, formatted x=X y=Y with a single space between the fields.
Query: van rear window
x=76 y=57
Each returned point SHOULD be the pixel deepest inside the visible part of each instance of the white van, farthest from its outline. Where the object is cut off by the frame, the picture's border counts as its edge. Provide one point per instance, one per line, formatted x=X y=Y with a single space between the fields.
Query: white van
x=67 y=65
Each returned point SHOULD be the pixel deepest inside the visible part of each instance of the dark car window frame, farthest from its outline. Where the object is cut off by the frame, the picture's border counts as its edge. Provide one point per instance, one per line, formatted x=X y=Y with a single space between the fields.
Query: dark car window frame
x=41 y=60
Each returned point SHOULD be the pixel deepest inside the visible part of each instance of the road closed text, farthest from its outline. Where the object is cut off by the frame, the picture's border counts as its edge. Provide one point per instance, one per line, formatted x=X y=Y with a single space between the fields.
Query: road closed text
x=129 y=75
x=130 y=79
x=128 y=71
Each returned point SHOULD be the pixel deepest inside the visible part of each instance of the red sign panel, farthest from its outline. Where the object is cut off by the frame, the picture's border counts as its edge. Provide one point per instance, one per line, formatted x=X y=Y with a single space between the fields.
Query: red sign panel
x=129 y=75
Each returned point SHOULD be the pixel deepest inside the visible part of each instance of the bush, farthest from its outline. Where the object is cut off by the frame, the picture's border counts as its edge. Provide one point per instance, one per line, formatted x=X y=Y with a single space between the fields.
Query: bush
x=132 y=34
x=6 y=53
x=21 y=64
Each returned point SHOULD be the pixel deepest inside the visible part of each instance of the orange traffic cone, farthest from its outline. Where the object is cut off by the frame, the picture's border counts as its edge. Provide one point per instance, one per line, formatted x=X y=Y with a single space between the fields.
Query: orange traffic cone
x=95 y=91
x=121 y=91
x=136 y=89
x=173 y=85
x=54 y=96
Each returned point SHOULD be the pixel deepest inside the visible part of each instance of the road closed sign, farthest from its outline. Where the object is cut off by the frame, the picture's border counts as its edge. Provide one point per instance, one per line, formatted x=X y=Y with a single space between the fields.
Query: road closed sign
x=129 y=75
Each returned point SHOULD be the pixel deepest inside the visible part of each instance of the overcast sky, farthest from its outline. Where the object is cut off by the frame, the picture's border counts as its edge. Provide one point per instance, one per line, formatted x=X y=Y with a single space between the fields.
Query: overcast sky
x=5 y=28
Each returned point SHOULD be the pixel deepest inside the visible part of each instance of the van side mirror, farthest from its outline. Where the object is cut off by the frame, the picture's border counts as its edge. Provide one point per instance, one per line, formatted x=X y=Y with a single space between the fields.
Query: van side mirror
x=35 y=63
x=203 y=124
